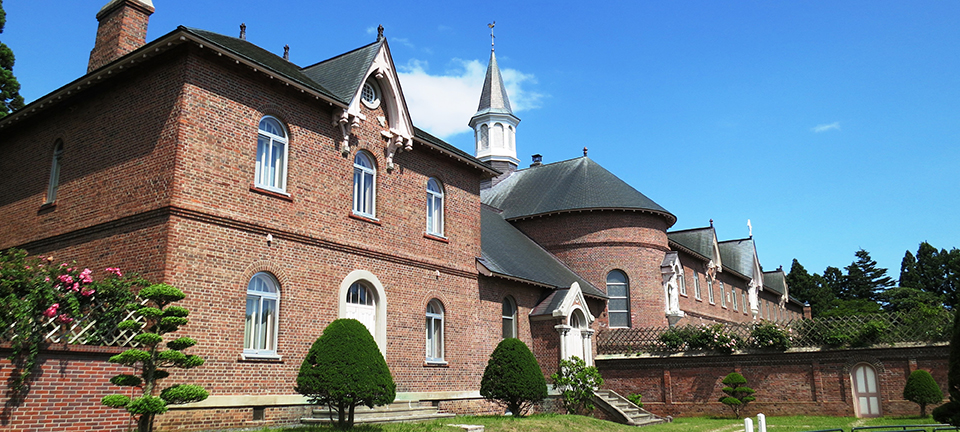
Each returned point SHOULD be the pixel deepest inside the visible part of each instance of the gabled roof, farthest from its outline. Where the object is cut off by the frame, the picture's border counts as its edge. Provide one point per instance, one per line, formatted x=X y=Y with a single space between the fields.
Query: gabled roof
x=461 y=155
x=740 y=256
x=775 y=281
x=509 y=253
x=493 y=98
x=571 y=185
x=701 y=241
x=262 y=57
x=344 y=73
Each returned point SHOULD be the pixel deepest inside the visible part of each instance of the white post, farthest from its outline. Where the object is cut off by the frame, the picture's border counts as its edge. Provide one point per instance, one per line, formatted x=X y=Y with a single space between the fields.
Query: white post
x=762 y=422
x=748 y=424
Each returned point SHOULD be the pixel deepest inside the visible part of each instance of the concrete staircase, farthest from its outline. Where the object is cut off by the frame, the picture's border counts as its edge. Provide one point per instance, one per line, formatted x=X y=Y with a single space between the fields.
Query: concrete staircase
x=396 y=412
x=624 y=411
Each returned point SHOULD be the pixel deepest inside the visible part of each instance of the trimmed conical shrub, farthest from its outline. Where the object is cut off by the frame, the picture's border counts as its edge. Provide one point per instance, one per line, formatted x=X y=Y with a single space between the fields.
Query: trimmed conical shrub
x=921 y=389
x=513 y=378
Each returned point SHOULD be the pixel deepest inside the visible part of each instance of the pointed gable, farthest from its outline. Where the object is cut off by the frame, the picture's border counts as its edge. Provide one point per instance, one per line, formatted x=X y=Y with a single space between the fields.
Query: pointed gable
x=701 y=242
x=571 y=185
x=345 y=73
x=741 y=257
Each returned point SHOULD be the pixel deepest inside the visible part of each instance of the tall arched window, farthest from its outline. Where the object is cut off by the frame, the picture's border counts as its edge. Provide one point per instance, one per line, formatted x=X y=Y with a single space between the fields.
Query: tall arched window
x=511 y=138
x=484 y=137
x=618 y=306
x=271 y=170
x=364 y=185
x=54 y=173
x=260 y=328
x=497 y=136
x=696 y=285
x=434 y=326
x=682 y=282
x=509 y=318
x=434 y=207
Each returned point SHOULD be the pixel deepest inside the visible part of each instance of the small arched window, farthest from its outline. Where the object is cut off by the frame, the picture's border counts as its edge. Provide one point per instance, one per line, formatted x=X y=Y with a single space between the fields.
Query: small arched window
x=509 y=318
x=497 y=136
x=271 y=170
x=484 y=137
x=54 y=183
x=618 y=306
x=434 y=207
x=260 y=328
x=434 y=327
x=364 y=185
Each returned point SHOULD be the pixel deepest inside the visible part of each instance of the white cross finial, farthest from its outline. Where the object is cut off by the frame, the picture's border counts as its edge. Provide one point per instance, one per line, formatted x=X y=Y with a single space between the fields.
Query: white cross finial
x=492 y=25
x=750 y=228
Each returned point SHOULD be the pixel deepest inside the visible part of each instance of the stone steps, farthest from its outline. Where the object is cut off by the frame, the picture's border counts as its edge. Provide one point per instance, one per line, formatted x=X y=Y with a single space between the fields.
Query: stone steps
x=396 y=412
x=625 y=410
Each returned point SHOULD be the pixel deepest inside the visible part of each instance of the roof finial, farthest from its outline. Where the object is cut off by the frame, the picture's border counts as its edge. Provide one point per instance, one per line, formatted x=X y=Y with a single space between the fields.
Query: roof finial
x=286 y=52
x=380 y=32
x=492 y=25
x=584 y=152
x=243 y=31
x=711 y=223
x=750 y=228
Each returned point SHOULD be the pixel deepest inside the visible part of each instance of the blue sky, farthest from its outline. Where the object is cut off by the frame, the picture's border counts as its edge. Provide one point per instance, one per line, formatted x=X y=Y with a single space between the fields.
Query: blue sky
x=832 y=126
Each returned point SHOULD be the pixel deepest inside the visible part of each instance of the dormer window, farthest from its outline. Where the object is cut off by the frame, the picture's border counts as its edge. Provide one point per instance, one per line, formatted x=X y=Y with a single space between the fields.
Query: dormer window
x=370 y=94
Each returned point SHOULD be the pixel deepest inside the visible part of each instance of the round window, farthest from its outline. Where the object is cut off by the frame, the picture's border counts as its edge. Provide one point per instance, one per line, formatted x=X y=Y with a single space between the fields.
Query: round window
x=370 y=95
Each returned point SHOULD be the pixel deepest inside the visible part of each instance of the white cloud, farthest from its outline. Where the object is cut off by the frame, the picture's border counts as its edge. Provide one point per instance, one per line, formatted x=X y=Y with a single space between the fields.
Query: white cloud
x=442 y=104
x=826 y=127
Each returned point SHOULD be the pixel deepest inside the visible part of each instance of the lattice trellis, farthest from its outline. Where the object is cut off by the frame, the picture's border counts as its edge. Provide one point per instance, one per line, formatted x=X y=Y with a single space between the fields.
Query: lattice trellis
x=86 y=332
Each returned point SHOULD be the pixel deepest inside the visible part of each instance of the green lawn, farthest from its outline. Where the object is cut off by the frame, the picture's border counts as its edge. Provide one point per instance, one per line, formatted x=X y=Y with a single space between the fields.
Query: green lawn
x=567 y=423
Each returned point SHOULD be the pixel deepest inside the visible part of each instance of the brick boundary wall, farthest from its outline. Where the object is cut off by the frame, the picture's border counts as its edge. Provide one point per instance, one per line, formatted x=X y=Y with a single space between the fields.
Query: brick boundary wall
x=797 y=382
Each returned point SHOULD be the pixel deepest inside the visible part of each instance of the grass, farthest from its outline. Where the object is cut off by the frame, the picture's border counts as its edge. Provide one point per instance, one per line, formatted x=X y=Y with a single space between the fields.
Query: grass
x=569 y=423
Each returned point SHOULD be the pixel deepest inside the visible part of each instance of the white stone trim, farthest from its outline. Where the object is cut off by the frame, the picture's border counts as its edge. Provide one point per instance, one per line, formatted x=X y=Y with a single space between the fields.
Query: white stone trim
x=380 y=335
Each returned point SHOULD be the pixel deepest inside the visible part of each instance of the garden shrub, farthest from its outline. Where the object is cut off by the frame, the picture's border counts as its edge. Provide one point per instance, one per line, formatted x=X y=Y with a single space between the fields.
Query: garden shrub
x=766 y=334
x=714 y=337
x=921 y=389
x=159 y=318
x=636 y=398
x=871 y=333
x=576 y=382
x=345 y=369
x=738 y=395
x=513 y=378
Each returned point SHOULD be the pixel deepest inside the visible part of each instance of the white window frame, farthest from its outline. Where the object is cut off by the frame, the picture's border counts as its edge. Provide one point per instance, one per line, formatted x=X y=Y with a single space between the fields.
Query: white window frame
x=271 y=172
x=370 y=94
x=696 y=286
x=723 y=296
x=435 y=203
x=252 y=346
x=710 y=291
x=508 y=314
x=434 y=332
x=733 y=295
x=54 y=183
x=682 y=281
x=626 y=297
x=364 y=186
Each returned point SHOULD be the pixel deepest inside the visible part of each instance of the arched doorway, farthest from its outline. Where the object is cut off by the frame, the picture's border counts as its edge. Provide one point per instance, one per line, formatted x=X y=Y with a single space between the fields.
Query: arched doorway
x=866 y=392
x=577 y=324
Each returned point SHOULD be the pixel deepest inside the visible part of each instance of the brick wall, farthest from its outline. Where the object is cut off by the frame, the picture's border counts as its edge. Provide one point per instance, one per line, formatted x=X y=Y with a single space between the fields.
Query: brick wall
x=791 y=383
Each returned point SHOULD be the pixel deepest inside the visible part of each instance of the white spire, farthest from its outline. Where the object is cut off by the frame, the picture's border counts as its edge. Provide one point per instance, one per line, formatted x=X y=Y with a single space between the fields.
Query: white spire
x=494 y=125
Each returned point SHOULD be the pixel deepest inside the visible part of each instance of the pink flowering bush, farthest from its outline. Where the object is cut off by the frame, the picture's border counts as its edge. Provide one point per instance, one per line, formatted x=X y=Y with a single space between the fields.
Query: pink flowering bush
x=766 y=334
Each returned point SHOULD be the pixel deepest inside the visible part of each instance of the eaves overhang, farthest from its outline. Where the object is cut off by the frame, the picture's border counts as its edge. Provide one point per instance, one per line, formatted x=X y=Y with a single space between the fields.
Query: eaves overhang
x=485 y=271
x=671 y=219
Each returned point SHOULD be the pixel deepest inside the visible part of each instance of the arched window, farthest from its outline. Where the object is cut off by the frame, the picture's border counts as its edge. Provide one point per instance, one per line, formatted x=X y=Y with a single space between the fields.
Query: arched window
x=260 y=328
x=710 y=290
x=497 y=136
x=364 y=185
x=434 y=207
x=696 y=285
x=682 y=282
x=54 y=173
x=511 y=137
x=618 y=306
x=434 y=327
x=363 y=298
x=484 y=137
x=509 y=318
x=575 y=342
x=733 y=292
x=271 y=170
x=723 y=296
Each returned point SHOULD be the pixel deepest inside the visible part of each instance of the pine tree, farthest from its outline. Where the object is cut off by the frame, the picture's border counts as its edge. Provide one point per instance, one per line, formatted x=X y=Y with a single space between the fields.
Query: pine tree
x=908 y=271
x=10 y=98
x=738 y=395
x=809 y=288
x=864 y=280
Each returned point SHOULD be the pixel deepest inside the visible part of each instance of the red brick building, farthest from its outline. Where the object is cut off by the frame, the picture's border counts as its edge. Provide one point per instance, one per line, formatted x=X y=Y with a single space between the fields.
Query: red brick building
x=281 y=197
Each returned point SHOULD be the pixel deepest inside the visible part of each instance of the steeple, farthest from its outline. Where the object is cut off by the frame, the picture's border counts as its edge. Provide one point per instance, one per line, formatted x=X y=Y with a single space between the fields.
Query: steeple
x=494 y=125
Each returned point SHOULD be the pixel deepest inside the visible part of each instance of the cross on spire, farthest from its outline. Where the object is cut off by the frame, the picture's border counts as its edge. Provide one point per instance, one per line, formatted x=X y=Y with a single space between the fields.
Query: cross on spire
x=492 y=25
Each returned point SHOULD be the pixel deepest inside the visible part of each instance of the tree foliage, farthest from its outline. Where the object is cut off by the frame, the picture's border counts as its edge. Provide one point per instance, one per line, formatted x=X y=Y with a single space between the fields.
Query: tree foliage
x=864 y=280
x=576 y=382
x=513 y=378
x=157 y=318
x=738 y=395
x=344 y=369
x=10 y=98
x=921 y=389
x=950 y=412
x=932 y=271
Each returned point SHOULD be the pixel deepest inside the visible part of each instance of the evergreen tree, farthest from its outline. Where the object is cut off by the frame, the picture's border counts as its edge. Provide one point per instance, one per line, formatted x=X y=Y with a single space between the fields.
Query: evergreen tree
x=809 y=288
x=513 y=378
x=921 y=389
x=864 y=280
x=951 y=264
x=950 y=411
x=834 y=280
x=10 y=98
x=908 y=271
x=738 y=395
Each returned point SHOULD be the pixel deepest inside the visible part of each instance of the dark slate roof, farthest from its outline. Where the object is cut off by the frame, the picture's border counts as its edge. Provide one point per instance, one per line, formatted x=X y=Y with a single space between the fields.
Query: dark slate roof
x=699 y=240
x=774 y=281
x=551 y=303
x=508 y=252
x=575 y=184
x=344 y=73
x=738 y=255
x=493 y=98
x=266 y=59
x=444 y=146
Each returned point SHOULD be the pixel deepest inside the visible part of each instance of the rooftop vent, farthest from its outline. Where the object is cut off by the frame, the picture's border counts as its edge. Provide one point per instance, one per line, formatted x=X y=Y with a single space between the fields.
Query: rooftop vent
x=537 y=160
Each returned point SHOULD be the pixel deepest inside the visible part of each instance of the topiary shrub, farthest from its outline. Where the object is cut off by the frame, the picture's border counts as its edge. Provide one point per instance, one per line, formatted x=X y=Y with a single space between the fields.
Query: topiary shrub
x=513 y=378
x=159 y=318
x=950 y=412
x=576 y=381
x=738 y=395
x=345 y=369
x=921 y=389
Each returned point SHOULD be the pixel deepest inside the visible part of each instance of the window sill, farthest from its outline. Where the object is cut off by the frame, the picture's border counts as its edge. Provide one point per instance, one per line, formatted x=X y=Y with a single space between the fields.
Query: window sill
x=684 y=295
x=265 y=358
x=282 y=195
x=435 y=237
x=698 y=299
x=365 y=219
x=435 y=363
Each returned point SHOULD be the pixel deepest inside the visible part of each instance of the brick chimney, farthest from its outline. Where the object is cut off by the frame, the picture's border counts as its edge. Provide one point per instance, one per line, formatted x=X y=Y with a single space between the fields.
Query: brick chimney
x=122 y=29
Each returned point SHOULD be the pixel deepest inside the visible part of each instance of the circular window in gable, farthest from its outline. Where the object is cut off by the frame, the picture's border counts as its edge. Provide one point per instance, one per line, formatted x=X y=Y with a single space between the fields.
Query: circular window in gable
x=370 y=95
